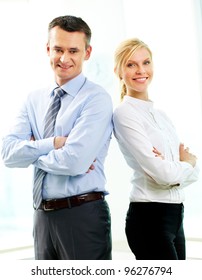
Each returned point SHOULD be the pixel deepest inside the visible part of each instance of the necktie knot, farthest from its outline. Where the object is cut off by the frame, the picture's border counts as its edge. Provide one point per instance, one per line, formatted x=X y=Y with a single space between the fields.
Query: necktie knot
x=59 y=92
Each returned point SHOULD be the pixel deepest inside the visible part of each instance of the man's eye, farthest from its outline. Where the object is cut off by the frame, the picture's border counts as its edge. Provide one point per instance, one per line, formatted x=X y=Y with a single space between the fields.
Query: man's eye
x=72 y=51
x=58 y=50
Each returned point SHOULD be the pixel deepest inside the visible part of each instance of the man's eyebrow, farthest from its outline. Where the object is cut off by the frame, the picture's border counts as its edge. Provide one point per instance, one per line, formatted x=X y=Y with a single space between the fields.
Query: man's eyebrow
x=56 y=47
x=73 y=49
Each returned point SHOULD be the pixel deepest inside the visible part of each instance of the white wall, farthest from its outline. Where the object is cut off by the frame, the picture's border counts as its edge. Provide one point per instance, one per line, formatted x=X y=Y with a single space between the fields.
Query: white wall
x=169 y=29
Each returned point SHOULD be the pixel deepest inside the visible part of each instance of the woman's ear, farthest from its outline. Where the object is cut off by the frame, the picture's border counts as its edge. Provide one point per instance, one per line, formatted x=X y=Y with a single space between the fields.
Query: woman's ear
x=115 y=71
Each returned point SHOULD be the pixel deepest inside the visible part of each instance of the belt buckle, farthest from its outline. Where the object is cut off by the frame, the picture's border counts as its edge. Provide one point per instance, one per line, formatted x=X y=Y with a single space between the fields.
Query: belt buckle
x=82 y=199
x=47 y=209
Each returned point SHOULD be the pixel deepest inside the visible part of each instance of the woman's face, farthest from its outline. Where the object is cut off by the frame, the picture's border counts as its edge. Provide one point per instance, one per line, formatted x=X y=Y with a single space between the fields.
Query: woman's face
x=137 y=73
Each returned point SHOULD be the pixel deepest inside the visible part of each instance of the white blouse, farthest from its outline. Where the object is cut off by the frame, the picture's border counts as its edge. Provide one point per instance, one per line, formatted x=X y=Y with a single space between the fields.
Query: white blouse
x=138 y=127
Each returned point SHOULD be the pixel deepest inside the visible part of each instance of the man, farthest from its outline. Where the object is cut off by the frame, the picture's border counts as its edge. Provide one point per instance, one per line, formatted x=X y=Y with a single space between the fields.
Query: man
x=72 y=218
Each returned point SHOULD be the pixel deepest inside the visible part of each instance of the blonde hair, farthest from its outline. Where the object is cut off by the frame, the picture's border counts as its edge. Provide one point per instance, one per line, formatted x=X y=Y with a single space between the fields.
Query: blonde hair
x=122 y=54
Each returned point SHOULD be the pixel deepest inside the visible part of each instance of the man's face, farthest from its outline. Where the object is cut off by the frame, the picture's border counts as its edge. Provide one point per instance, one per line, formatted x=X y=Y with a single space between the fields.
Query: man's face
x=67 y=52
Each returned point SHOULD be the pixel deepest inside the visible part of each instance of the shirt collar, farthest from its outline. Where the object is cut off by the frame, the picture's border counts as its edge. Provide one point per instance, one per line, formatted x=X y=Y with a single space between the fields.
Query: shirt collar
x=139 y=102
x=71 y=87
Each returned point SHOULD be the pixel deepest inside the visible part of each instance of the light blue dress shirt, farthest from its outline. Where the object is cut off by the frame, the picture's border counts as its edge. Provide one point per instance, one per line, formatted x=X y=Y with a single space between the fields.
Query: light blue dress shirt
x=85 y=117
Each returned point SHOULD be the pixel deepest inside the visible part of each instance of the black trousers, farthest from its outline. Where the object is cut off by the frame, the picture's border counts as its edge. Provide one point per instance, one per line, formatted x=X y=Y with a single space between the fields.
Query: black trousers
x=79 y=233
x=155 y=231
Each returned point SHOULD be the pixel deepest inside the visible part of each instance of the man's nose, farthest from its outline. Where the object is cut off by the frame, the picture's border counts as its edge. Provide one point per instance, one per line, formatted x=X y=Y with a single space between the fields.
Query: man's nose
x=64 y=57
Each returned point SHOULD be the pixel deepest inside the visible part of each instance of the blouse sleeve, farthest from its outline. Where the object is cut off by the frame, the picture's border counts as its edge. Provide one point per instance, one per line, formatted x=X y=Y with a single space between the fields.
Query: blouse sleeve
x=137 y=149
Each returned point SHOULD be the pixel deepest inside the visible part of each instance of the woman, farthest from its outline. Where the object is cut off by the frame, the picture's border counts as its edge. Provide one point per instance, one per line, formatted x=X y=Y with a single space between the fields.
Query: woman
x=161 y=165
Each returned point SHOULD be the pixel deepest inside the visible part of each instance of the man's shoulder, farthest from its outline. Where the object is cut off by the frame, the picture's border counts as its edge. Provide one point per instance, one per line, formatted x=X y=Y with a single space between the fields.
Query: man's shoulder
x=40 y=91
x=96 y=88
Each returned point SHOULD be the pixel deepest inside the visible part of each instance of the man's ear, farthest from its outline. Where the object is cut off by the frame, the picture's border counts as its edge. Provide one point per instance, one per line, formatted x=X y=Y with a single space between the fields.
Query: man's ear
x=88 y=52
x=48 y=48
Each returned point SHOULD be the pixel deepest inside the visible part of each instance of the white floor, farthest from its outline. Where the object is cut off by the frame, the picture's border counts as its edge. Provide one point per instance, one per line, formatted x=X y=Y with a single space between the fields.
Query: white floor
x=120 y=252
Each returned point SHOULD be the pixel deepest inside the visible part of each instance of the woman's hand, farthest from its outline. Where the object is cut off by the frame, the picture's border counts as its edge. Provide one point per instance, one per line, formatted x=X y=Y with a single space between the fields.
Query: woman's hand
x=186 y=156
x=157 y=153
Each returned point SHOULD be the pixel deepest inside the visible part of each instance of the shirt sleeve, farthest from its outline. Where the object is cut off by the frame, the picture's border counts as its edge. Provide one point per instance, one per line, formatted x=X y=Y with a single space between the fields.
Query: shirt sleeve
x=137 y=149
x=91 y=131
x=17 y=149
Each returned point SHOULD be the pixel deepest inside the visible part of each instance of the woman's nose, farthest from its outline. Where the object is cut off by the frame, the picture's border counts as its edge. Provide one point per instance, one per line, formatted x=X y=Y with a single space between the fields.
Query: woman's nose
x=141 y=70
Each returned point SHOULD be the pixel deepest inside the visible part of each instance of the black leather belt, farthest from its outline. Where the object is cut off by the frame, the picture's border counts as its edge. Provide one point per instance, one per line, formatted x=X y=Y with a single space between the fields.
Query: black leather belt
x=69 y=202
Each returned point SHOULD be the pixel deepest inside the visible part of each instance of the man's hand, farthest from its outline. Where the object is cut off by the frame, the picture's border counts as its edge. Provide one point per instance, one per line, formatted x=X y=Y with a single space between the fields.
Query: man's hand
x=32 y=138
x=59 y=141
x=92 y=167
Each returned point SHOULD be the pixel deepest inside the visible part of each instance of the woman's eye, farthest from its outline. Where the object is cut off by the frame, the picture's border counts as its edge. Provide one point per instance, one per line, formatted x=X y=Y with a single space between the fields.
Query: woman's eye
x=147 y=62
x=131 y=65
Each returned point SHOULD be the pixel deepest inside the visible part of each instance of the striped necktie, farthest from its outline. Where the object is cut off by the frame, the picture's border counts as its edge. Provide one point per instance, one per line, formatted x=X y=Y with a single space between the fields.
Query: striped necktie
x=48 y=132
